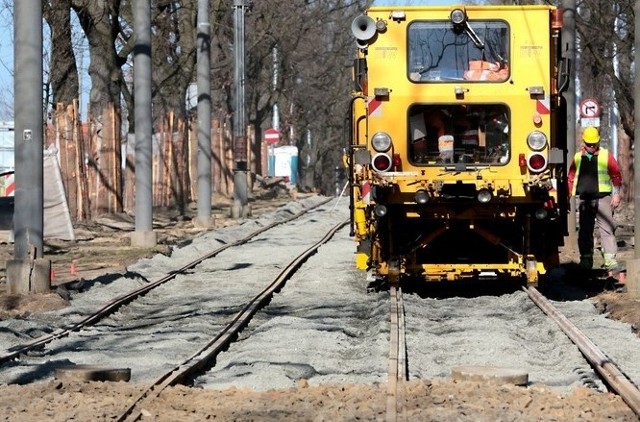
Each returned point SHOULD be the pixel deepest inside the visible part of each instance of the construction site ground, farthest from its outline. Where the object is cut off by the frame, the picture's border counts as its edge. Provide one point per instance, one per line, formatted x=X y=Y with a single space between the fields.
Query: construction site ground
x=102 y=250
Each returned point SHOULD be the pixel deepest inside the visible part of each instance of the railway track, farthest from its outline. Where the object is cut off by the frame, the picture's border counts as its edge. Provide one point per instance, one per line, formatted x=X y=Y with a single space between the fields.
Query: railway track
x=359 y=352
x=397 y=354
x=114 y=305
x=206 y=356
x=398 y=371
x=607 y=369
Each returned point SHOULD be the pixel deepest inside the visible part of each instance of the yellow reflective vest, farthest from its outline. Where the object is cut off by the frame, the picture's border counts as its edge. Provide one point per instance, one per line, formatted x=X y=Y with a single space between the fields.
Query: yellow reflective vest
x=604 y=180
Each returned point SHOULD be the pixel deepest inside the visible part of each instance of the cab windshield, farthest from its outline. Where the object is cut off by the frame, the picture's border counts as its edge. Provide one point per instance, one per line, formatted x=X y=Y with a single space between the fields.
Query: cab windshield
x=442 y=52
x=443 y=134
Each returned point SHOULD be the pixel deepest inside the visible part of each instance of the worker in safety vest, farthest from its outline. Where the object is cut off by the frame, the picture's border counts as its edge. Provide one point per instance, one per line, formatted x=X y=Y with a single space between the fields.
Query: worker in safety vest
x=594 y=176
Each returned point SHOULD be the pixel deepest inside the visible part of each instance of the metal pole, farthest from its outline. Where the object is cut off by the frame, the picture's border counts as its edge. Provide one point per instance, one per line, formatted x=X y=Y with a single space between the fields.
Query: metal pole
x=239 y=122
x=204 y=114
x=614 y=115
x=28 y=272
x=569 y=42
x=636 y=133
x=275 y=119
x=143 y=235
x=29 y=218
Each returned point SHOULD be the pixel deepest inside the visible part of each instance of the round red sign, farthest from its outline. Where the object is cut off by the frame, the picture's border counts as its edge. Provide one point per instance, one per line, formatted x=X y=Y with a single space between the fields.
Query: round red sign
x=271 y=136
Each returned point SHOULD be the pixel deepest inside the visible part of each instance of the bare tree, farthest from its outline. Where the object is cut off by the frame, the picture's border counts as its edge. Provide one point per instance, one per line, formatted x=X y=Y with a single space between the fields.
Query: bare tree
x=100 y=22
x=606 y=71
x=174 y=55
x=315 y=46
x=64 y=73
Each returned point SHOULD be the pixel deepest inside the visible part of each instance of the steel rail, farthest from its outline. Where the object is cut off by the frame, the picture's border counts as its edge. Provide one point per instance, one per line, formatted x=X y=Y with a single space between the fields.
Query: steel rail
x=603 y=364
x=397 y=353
x=112 y=306
x=206 y=356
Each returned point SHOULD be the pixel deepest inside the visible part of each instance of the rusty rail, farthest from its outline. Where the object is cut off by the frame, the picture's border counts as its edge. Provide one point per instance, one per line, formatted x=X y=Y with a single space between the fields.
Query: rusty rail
x=112 y=306
x=206 y=356
x=397 y=353
x=603 y=364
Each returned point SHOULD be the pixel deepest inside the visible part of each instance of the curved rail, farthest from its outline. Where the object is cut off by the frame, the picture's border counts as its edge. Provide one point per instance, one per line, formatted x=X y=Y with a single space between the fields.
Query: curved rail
x=113 y=305
x=206 y=356
x=603 y=364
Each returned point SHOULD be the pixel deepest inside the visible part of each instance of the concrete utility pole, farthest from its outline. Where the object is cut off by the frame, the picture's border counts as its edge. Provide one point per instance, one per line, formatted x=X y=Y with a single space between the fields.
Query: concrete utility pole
x=633 y=266
x=240 y=202
x=569 y=53
x=28 y=272
x=204 y=114
x=143 y=236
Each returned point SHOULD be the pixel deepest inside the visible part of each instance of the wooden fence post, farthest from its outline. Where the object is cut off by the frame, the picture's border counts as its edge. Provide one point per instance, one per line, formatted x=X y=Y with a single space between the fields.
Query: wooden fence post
x=63 y=137
x=94 y=181
x=104 y=162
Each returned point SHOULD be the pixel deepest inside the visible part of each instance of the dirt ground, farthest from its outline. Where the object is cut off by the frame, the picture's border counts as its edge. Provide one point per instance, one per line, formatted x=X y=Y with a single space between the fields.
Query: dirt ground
x=102 y=250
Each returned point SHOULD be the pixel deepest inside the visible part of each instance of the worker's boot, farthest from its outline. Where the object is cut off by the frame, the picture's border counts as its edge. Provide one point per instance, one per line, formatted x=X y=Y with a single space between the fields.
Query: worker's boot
x=610 y=262
x=586 y=262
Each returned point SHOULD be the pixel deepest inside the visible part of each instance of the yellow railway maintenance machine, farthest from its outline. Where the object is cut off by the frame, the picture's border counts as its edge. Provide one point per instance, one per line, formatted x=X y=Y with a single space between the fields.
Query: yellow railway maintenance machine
x=457 y=144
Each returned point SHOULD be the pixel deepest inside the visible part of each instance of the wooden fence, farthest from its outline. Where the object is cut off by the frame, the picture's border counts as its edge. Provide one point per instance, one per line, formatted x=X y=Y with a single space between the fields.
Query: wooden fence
x=98 y=164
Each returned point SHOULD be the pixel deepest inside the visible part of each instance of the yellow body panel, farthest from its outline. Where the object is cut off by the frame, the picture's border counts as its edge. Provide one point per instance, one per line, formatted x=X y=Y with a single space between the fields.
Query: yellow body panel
x=387 y=56
x=393 y=88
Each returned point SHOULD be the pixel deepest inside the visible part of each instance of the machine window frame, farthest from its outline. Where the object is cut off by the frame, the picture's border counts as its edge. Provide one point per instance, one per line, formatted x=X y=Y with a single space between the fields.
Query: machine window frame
x=444 y=134
x=467 y=63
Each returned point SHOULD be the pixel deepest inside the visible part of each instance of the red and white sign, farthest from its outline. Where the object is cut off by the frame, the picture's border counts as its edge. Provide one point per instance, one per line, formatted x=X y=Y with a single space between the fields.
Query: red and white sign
x=271 y=136
x=366 y=192
x=374 y=106
x=9 y=185
x=543 y=106
x=589 y=108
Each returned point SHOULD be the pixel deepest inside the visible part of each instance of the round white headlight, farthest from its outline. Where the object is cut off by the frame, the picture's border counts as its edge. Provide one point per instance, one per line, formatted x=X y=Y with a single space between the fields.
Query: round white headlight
x=381 y=142
x=537 y=140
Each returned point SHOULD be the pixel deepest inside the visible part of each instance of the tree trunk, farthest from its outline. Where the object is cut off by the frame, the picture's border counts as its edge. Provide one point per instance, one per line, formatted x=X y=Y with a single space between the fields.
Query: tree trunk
x=99 y=23
x=625 y=160
x=64 y=73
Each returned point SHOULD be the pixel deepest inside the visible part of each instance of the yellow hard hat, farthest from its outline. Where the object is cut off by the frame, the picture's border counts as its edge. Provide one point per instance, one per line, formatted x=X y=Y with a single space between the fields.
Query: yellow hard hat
x=591 y=135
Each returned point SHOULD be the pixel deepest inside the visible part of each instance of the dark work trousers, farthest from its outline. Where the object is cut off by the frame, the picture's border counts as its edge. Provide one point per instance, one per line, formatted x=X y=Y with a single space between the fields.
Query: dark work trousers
x=596 y=212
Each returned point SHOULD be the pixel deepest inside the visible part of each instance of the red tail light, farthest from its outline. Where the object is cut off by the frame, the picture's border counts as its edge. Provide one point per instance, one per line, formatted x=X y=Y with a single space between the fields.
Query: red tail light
x=537 y=163
x=522 y=161
x=381 y=162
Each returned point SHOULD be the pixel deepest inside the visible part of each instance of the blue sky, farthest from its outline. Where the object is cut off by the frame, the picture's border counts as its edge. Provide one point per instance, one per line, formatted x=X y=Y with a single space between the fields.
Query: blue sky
x=6 y=64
